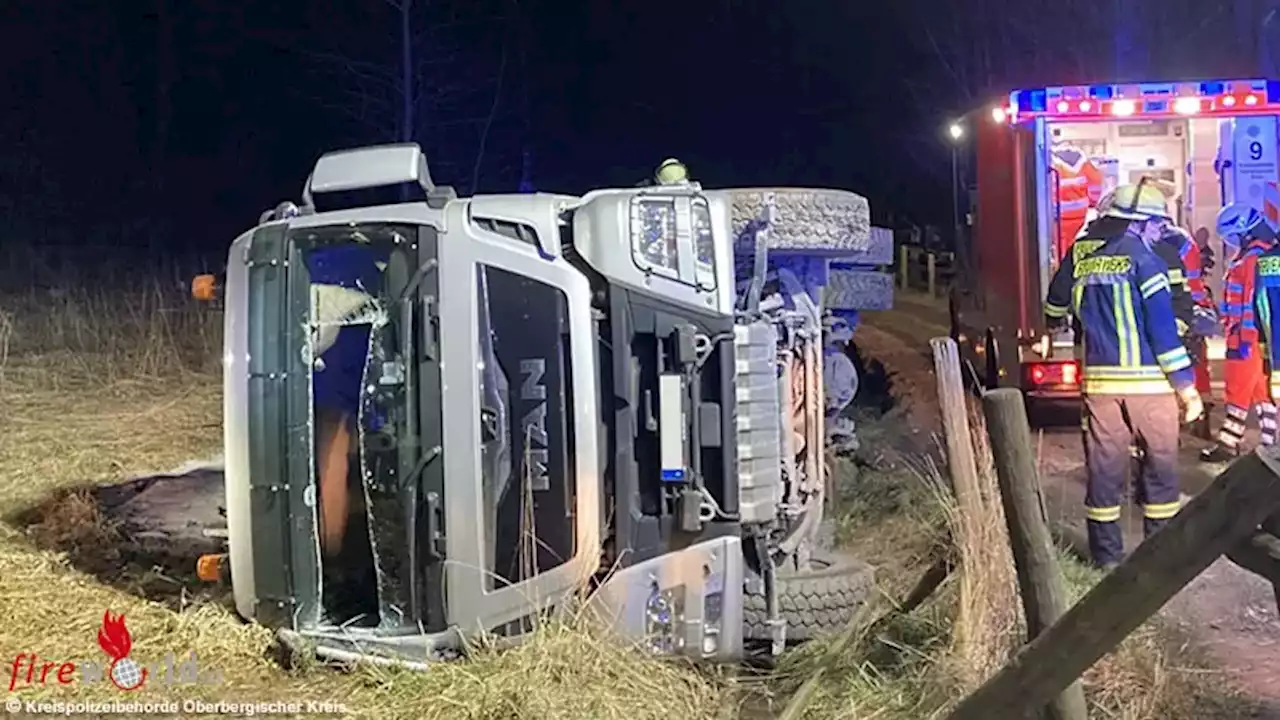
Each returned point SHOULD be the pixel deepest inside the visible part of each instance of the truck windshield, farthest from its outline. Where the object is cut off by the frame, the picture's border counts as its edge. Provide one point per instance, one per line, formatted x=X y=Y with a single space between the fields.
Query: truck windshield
x=366 y=438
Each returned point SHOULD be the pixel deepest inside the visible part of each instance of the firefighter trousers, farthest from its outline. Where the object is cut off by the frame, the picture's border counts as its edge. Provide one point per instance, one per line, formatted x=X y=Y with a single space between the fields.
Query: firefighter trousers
x=1247 y=389
x=1110 y=424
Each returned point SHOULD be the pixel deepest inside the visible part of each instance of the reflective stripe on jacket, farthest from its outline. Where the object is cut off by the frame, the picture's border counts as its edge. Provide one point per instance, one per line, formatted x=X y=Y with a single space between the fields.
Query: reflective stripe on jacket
x=1121 y=294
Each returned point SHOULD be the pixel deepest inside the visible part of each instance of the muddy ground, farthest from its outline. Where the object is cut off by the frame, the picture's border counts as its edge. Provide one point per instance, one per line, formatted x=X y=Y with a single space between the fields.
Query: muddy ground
x=1229 y=613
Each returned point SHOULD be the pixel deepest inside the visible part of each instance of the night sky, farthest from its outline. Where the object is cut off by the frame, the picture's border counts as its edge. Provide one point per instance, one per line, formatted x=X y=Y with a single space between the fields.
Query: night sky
x=176 y=122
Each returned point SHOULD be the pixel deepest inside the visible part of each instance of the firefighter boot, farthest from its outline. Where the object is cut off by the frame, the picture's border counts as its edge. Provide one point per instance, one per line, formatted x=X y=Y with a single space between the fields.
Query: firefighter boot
x=1106 y=543
x=1219 y=453
x=1151 y=526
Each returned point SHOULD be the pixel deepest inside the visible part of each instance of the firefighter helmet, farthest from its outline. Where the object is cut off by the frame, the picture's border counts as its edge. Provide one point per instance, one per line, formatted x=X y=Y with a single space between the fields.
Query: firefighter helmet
x=1237 y=221
x=1140 y=201
x=671 y=172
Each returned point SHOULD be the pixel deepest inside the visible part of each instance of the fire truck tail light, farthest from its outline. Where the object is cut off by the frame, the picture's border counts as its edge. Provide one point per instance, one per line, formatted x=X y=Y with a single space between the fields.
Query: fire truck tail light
x=1041 y=374
x=1038 y=374
x=1070 y=372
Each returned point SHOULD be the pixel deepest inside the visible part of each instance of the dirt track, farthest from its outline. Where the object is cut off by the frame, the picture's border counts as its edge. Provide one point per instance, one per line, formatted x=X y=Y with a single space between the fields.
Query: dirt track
x=1230 y=612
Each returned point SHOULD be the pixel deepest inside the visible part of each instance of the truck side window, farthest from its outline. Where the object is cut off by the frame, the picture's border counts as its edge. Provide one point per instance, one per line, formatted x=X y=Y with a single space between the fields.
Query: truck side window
x=526 y=425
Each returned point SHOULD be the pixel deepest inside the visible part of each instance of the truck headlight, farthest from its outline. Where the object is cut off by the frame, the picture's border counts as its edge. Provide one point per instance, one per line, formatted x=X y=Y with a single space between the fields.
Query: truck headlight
x=664 y=620
x=654 y=243
x=703 y=244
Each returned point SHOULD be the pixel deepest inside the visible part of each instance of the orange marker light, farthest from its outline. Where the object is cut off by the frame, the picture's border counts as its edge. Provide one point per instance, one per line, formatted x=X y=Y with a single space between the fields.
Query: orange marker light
x=204 y=287
x=209 y=567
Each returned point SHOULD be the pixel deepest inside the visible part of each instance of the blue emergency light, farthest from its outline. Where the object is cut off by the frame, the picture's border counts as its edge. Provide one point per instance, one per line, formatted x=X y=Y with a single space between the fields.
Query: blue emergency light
x=1142 y=100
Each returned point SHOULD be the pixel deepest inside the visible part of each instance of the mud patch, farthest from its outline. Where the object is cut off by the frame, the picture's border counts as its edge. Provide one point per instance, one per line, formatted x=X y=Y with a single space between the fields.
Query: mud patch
x=143 y=535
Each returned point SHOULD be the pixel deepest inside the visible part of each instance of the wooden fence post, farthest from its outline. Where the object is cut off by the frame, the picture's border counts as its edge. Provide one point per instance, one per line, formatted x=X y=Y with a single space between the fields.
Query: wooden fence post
x=932 y=269
x=904 y=266
x=1216 y=521
x=1040 y=580
x=961 y=465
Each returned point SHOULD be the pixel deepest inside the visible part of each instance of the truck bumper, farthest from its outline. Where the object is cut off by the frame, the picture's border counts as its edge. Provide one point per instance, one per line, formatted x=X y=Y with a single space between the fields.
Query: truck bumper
x=688 y=602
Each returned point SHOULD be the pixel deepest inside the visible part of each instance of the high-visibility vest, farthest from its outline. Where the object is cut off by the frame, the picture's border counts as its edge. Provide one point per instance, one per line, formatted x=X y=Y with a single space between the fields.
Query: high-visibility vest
x=1079 y=183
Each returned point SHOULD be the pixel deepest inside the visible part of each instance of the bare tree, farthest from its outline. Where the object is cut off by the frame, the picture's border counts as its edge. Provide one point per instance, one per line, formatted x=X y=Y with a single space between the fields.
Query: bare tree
x=437 y=79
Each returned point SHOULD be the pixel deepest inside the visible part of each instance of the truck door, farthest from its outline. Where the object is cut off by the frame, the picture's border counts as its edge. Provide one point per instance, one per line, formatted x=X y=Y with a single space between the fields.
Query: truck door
x=523 y=496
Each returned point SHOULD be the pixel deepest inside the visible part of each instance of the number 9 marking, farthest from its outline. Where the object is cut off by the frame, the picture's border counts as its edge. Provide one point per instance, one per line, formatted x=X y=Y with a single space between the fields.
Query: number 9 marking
x=1255 y=150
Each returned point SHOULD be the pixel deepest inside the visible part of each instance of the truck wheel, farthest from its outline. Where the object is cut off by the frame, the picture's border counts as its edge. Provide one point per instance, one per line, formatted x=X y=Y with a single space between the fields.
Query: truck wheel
x=813 y=603
x=815 y=220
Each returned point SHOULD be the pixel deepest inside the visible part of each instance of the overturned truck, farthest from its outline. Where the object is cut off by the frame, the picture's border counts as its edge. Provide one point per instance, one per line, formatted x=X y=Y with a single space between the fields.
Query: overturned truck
x=552 y=393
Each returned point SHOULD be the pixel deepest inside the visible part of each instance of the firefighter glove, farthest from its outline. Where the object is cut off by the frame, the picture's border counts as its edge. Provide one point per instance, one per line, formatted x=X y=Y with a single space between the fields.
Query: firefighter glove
x=1192 y=405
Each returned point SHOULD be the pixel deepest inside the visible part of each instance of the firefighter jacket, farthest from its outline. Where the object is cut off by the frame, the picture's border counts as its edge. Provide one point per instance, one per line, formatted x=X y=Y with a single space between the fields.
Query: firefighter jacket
x=1238 y=321
x=1121 y=294
x=1267 y=306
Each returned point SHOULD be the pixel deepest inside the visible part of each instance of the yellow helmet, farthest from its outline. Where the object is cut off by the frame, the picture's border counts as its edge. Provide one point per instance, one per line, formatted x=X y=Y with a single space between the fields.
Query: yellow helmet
x=1142 y=201
x=671 y=171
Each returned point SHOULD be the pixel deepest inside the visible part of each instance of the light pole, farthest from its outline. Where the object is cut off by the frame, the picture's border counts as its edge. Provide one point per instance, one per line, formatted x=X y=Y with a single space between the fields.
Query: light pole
x=956 y=132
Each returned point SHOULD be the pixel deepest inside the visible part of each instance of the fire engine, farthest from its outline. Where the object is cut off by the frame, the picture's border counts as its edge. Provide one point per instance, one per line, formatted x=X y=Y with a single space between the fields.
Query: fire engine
x=1040 y=158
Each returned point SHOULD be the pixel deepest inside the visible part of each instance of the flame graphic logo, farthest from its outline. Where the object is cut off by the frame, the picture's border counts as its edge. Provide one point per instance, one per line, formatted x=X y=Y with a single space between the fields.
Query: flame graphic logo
x=115 y=641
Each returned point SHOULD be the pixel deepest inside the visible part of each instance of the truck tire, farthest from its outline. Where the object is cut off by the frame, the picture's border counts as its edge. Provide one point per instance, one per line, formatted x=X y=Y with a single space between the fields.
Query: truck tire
x=813 y=603
x=858 y=290
x=831 y=222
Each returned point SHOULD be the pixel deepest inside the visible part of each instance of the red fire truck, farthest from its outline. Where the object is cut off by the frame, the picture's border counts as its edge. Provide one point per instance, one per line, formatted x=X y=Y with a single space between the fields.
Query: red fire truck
x=1038 y=158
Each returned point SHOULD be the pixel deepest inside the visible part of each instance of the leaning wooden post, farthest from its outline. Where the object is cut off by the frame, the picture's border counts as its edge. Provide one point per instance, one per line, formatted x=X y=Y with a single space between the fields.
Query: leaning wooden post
x=931 y=261
x=1040 y=580
x=1214 y=522
x=961 y=465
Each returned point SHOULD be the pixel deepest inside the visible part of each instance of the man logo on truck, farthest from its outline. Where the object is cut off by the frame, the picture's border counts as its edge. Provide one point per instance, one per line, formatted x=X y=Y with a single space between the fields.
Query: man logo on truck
x=534 y=423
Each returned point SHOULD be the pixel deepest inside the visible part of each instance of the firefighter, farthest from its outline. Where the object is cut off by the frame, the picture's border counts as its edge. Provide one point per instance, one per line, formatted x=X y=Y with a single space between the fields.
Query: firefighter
x=1246 y=236
x=1136 y=371
x=1189 y=319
